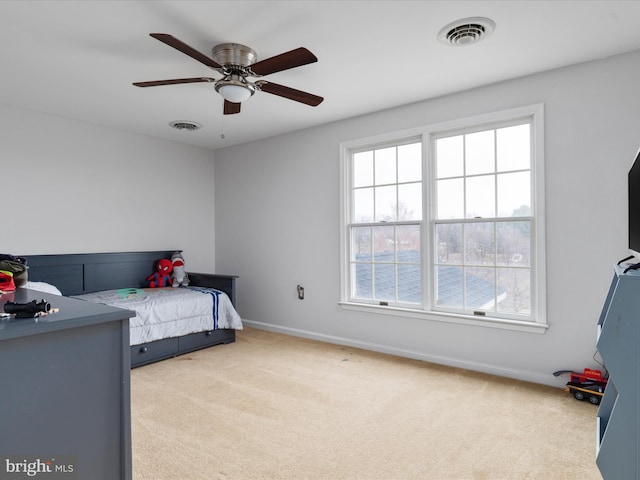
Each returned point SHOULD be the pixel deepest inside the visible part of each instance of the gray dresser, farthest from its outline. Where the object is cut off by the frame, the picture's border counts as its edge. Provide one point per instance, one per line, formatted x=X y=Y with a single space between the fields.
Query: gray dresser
x=618 y=431
x=66 y=390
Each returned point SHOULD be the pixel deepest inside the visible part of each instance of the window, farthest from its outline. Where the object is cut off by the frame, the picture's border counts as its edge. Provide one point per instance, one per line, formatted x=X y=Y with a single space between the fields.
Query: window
x=385 y=242
x=446 y=222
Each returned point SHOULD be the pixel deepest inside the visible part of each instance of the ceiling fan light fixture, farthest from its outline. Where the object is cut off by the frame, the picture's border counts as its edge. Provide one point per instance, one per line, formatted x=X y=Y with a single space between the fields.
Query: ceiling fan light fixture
x=233 y=92
x=235 y=89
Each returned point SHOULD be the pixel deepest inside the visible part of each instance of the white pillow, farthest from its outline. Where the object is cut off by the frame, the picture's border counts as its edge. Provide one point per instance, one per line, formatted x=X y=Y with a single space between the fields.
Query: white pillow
x=43 y=287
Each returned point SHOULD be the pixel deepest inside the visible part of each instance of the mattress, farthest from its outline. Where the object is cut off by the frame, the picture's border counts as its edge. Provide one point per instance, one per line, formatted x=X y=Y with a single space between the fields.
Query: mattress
x=170 y=312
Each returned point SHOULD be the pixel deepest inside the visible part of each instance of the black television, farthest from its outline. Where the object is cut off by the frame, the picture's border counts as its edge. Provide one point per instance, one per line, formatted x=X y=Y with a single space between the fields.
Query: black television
x=634 y=208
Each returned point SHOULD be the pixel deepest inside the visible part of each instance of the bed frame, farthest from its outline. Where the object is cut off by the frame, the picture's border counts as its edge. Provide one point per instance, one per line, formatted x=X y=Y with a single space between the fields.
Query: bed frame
x=75 y=274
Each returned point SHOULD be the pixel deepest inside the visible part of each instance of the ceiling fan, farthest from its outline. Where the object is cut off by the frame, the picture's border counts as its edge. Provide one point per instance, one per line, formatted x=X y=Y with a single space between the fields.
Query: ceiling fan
x=236 y=63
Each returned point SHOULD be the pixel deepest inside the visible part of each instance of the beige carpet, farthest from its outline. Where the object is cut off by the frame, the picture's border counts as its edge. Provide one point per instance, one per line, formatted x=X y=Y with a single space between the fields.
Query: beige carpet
x=272 y=406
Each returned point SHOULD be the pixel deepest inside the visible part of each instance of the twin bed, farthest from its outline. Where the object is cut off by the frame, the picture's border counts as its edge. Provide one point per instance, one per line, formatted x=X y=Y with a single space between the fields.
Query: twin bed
x=169 y=321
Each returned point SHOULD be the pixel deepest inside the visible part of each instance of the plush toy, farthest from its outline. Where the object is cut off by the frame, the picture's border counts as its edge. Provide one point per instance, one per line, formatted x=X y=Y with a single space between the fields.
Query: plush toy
x=179 y=276
x=162 y=277
x=6 y=281
x=17 y=266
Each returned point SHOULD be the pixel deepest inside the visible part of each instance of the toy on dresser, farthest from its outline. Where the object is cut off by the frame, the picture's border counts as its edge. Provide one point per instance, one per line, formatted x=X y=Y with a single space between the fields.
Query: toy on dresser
x=13 y=272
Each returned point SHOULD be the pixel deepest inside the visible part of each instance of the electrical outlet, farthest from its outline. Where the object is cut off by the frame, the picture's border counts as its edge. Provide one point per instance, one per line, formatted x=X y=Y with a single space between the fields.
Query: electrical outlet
x=300 y=292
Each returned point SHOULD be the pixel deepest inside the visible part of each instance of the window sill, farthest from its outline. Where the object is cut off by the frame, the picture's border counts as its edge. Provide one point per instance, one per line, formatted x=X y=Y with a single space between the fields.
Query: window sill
x=488 y=322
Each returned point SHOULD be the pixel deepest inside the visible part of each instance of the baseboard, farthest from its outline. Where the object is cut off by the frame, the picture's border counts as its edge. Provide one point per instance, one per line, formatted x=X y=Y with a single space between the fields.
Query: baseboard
x=523 y=375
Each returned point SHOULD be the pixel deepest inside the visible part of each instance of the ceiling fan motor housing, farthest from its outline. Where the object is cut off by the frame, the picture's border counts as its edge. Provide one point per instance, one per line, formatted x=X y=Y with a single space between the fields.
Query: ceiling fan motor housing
x=235 y=59
x=228 y=54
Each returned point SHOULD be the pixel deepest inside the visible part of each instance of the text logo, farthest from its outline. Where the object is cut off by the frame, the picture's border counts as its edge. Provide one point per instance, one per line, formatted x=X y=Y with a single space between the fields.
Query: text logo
x=60 y=467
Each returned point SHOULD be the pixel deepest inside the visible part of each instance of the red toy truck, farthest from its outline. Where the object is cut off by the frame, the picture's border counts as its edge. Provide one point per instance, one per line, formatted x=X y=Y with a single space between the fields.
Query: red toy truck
x=588 y=385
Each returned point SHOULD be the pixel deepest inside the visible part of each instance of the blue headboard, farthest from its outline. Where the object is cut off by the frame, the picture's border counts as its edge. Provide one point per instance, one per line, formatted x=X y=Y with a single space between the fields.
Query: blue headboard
x=78 y=273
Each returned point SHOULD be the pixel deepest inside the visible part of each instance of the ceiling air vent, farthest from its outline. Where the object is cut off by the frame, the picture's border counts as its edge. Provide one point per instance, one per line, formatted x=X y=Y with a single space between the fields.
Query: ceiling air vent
x=184 y=125
x=466 y=31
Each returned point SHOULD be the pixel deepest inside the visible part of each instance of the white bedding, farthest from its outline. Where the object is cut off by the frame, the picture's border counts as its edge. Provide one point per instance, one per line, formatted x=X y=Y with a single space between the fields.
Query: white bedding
x=170 y=312
x=42 y=287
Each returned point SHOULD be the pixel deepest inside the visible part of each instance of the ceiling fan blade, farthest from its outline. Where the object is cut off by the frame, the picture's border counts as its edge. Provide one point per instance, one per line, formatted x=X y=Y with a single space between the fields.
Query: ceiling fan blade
x=186 y=49
x=290 y=93
x=175 y=81
x=284 y=61
x=230 y=108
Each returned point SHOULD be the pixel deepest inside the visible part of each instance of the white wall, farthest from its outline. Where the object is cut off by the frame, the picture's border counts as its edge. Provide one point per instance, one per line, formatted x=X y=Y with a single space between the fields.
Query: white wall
x=277 y=222
x=72 y=187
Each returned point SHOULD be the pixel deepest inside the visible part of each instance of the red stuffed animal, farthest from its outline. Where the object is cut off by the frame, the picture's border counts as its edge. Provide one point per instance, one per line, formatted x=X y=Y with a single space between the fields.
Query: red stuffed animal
x=162 y=278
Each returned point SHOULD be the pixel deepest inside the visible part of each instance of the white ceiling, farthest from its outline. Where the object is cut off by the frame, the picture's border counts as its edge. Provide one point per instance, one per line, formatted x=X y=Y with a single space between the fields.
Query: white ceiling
x=77 y=59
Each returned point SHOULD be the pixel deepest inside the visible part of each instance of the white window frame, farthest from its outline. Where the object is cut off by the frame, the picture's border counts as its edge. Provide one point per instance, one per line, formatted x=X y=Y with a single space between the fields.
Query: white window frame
x=538 y=323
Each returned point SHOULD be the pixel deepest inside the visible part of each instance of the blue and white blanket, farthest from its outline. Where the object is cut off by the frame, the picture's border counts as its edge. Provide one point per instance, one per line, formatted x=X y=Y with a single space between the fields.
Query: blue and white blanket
x=215 y=299
x=170 y=312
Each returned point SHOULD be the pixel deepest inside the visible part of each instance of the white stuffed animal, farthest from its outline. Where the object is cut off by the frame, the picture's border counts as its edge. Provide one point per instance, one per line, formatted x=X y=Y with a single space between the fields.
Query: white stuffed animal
x=179 y=276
